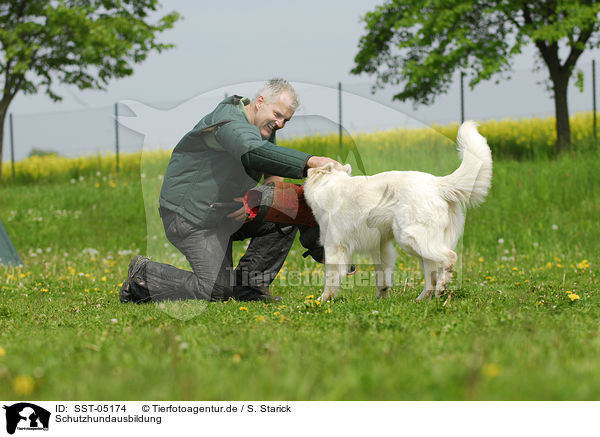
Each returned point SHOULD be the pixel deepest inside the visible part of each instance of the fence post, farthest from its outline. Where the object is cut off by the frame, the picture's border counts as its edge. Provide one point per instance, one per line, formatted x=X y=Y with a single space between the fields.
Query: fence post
x=117 y=134
x=12 y=144
x=340 y=115
x=594 y=101
x=462 y=97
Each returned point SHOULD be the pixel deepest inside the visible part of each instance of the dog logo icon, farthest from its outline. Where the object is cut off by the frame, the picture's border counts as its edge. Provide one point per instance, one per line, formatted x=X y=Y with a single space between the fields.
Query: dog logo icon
x=26 y=416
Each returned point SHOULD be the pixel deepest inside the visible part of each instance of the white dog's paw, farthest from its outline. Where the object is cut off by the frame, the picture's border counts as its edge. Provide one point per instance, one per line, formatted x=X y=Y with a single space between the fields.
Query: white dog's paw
x=440 y=289
x=327 y=296
x=426 y=294
x=383 y=293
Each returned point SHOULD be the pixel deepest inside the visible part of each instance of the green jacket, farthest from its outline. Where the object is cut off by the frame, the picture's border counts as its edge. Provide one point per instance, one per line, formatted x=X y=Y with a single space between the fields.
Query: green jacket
x=221 y=158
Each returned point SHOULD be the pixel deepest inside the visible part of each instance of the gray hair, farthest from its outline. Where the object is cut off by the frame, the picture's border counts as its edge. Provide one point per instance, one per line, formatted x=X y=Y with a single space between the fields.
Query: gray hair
x=273 y=88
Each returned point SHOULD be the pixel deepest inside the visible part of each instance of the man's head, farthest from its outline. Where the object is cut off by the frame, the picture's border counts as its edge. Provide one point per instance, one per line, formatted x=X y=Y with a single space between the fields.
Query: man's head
x=274 y=104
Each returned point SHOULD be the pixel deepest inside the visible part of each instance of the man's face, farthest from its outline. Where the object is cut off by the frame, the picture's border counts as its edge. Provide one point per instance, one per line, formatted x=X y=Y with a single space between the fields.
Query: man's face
x=271 y=116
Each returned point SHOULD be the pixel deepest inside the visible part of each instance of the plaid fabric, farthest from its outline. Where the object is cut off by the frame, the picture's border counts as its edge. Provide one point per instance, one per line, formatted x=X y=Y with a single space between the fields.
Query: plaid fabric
x=279 y=202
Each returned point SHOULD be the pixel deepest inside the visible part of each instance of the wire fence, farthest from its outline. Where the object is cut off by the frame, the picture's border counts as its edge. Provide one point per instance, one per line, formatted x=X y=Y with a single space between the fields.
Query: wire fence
x=522 y=94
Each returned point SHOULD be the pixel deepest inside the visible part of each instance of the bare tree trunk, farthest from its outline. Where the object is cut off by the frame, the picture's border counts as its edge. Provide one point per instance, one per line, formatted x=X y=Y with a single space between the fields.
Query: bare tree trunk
x=561 y=108
x=3 y=112
x=4 y=104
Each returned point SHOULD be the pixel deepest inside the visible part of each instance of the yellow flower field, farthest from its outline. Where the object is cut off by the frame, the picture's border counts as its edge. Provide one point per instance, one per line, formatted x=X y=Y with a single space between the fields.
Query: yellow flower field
x=509 y=138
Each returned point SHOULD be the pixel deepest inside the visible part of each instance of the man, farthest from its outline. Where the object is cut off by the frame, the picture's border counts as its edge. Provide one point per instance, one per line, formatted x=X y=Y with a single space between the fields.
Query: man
x=212 y=167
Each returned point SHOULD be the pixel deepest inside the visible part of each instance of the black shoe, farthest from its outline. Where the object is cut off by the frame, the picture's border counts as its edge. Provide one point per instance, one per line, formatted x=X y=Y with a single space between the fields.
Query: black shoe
x=125 y=295
x=269 y=298
x=262 y=294
x=135 y=294
x=134 y=287
x=137 y=270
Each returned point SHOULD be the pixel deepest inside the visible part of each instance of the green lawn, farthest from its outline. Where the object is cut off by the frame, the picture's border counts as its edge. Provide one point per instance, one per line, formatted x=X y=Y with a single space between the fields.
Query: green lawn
x=523 y=322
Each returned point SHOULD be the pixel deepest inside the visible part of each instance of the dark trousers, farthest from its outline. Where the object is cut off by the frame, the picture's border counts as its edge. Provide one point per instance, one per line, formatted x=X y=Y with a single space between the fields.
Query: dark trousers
x=208 y=251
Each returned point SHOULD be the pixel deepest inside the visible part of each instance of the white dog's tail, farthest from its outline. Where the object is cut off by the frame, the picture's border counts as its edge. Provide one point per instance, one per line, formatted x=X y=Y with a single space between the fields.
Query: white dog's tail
x=470 y=183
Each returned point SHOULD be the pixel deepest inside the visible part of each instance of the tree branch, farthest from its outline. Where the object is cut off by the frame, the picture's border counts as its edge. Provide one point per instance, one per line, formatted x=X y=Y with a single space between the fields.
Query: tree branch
x=576 y=51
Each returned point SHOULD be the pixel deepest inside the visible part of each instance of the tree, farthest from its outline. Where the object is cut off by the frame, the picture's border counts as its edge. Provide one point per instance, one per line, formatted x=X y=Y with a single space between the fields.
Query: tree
x=420 y=43
x=78 y=42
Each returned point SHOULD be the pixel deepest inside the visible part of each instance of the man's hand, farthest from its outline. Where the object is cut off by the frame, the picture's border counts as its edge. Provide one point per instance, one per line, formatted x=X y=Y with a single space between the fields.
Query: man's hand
x=239 y=215
x=320 y=161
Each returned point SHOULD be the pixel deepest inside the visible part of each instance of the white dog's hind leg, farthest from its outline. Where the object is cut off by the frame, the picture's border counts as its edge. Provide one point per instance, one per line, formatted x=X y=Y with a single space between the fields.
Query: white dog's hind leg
x=337 y=261
x=428 y=243
x=430 y=273
x=385 y=269
x=446 y=273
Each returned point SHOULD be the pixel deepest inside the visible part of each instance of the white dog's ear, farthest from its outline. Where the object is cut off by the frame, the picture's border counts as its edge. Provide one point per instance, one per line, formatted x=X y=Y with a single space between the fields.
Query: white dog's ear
x=347 y=168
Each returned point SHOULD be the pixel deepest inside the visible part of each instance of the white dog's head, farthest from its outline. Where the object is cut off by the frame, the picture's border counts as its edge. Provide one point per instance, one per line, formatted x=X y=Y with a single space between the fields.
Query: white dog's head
x=317 y=177
x=317 y=172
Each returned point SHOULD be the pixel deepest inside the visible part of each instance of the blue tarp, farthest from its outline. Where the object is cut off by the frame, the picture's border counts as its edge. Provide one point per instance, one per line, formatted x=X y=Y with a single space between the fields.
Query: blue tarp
x=8 y=253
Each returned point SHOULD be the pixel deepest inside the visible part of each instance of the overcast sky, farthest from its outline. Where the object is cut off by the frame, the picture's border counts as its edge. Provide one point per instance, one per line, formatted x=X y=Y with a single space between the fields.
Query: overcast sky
x=228 y=42
x=222 y=44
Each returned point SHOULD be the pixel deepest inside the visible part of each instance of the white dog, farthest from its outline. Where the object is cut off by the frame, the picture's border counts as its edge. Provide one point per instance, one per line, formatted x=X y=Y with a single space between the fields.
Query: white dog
x=422 y=212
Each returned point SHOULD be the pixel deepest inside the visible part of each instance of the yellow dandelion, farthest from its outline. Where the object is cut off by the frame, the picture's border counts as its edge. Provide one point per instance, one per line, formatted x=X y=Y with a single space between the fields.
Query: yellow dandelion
x=491 y=370
x=260 y=319
x=573 y=296
x=2 y=351
x=328 y=310
x=480 y=259
x=23 y=385
x=44 y=290
x=281 y=319
x=583 y=264
x=243 y=309
x=276 y=313
x=312 y=296
x=236 y=358
x=317 y=302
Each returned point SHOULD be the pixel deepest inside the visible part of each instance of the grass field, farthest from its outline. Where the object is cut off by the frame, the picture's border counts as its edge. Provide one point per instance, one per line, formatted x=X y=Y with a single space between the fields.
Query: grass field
x=522 y=323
